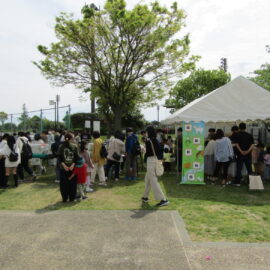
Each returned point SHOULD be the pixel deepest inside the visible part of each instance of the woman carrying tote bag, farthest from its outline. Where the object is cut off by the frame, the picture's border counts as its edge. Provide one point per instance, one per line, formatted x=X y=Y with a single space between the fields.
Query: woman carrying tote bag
x=153 y=153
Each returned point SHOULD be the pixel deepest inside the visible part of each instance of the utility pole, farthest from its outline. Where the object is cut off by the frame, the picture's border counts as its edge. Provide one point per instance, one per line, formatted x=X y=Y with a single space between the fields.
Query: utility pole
x=224 y=64
x=41 y=121
x=57 y=109
x=158 y=107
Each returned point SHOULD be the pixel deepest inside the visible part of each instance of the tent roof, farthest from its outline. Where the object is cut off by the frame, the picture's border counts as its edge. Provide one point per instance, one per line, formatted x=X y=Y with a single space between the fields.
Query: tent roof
x=238 y=100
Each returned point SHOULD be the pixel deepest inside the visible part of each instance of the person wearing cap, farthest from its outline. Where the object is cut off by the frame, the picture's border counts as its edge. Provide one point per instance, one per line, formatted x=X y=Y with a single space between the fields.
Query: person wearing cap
x=80 y=171
x=67 y=156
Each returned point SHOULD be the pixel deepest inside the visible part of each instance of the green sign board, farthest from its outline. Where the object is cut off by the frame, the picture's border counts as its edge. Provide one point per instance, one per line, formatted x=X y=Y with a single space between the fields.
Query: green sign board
x=193 y=159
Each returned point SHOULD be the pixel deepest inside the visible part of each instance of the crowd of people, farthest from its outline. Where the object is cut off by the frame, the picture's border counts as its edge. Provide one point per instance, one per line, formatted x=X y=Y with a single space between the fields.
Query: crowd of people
x=79 y=161
x=225 y=156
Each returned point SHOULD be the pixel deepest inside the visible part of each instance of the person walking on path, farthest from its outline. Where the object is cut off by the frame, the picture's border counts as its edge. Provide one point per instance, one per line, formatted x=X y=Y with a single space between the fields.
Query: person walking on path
x=99 y=161
x=67 y=155
x=12 y=159
x=153 y=152
x=244 y=143
x=115 y=150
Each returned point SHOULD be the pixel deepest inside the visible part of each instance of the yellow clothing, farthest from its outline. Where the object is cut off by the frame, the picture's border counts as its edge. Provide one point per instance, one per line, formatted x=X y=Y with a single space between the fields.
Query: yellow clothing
x=167 y=157
x=96 y=152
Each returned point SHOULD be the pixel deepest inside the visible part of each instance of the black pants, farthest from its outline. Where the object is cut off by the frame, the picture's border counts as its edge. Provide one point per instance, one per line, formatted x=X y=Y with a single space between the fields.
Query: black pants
x=224 y=166
x=68 y=188
x=2 y=173
x=110 y=163
x=167 y=166
x=24 y=166
x=239 y=165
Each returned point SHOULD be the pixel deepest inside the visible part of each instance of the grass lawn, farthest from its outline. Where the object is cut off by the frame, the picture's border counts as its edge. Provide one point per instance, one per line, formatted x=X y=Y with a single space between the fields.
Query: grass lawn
x=211 y=213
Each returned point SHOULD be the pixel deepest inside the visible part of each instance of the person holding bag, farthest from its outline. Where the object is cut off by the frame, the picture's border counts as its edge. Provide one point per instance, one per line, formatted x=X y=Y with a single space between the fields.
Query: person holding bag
x=115 y=150
x=12 y=159
x=154 y=157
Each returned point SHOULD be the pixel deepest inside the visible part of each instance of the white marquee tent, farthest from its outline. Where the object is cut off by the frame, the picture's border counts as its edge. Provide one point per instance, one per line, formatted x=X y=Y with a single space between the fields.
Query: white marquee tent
x=238 y=100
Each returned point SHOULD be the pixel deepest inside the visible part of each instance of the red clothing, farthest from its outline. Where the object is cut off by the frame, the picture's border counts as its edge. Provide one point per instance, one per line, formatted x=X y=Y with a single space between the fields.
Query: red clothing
x=81 y=173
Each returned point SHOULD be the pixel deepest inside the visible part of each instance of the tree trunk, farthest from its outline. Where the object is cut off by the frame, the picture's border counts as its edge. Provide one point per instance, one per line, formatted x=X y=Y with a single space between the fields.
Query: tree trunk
x=117 y=118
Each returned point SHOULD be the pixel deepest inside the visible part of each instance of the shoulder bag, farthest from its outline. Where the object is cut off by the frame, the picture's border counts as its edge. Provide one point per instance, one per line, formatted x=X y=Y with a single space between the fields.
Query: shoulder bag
x=159 y=166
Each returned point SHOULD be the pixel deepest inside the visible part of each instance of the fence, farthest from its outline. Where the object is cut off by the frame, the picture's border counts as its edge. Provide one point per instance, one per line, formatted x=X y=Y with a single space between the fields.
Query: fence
x=38 y=120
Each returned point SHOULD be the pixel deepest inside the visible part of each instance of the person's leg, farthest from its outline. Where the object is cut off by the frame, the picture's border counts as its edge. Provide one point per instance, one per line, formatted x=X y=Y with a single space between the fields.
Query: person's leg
x=108 y=167
x=147 y=184
x=133 y=163
x=239 y=166
x=117 y=168
x=20 y=171
x=217 y=169
x=80 y=188
x=25 y=164
x=7 y=175
x=128 y=166
x=72 y=188
x=225 y=171
x=94 y=172
x=101 y=175
x=15 y=177
x=248 y=163
x=64 y=185
x=2 y=173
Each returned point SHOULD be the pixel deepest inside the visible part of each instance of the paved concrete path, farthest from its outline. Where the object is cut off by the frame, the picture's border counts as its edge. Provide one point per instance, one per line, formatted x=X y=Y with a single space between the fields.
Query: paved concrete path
x=128 y=240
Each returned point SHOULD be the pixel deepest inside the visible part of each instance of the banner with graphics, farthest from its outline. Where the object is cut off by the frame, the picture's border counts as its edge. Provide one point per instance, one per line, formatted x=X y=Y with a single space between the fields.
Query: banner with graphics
x=193 y=150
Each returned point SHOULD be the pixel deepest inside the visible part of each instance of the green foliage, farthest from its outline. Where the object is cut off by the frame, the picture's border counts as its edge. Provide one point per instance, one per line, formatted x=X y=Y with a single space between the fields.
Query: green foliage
x=262 y=75
x=133 y=54
x=3 y=117
x=199 y=83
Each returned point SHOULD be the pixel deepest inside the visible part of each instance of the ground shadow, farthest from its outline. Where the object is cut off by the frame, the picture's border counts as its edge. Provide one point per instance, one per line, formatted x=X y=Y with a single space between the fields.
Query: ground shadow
x=229 y=194
x=143 y=212
x=56 y=206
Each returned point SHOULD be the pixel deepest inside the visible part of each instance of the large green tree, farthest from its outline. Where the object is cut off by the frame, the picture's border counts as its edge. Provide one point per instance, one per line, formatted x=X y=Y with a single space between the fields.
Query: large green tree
x=199 y=83
x=125 y=58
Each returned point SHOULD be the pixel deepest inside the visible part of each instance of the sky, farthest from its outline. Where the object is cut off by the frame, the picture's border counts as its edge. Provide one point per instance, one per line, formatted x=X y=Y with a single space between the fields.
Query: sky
x=235 y=29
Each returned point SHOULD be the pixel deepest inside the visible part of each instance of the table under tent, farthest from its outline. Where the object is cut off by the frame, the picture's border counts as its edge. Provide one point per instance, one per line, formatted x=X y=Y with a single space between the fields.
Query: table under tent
x=240 y=100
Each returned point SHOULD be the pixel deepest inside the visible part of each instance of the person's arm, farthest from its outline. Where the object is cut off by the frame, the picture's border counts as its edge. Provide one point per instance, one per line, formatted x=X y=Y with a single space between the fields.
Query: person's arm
x=71 y=176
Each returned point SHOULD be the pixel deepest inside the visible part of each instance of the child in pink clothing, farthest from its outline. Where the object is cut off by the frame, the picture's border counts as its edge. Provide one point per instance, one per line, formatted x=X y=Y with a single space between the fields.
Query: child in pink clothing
x=85 y=155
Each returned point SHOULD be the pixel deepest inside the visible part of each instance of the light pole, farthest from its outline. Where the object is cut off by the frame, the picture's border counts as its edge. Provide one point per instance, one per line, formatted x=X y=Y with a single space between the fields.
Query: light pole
x=158 y=108
x=53 y=103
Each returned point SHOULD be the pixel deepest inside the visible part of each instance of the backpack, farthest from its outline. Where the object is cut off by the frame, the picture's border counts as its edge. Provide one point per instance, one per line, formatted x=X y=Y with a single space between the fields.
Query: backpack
x=103 y=151
x=26 y=150
x=136 y=149
x=13 y=157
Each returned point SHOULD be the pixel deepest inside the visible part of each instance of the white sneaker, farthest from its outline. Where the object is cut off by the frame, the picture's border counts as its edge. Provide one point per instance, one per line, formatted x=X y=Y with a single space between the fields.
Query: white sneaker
x=88 y=189
x=116 y=179
x=103 y=184
x=57 y=181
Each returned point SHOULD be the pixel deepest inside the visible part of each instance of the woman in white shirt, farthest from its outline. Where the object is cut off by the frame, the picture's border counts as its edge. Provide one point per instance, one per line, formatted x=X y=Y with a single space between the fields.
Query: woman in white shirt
x=12 y=158
x=223 y=154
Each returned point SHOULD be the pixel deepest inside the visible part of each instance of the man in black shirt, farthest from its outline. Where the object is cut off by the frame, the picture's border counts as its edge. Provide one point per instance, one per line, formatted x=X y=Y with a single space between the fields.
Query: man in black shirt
x=244 y=144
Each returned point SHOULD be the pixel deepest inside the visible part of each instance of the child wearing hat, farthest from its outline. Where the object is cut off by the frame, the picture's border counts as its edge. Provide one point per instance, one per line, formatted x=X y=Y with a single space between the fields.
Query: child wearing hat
x=80 y=170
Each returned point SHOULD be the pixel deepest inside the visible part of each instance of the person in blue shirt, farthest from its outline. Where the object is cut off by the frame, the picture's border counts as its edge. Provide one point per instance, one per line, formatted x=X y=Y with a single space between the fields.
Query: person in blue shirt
x=131 y=157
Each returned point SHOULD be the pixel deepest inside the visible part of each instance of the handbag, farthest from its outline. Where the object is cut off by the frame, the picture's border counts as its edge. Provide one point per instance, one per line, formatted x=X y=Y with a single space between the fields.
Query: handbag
x=13 y=157
x=159 y=166
x=116 y=156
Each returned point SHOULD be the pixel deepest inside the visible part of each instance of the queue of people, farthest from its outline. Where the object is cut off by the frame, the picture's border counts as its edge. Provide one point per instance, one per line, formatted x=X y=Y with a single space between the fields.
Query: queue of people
x=225 y=157
x=78 y=162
